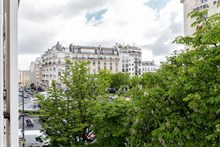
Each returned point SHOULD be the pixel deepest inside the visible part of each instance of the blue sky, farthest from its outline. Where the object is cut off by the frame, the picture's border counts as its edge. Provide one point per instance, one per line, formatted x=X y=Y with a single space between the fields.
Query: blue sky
x=157 y=4
x=97 y=15
x=149 y=24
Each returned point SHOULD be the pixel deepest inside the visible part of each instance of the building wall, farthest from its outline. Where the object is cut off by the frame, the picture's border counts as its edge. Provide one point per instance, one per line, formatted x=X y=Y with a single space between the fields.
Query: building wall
x=190 y=5
x=149 y=66
x=24 y=77
x=37 y=72
x=53 y=60
x=130 y=59
x=118 y=58
x=32 y=70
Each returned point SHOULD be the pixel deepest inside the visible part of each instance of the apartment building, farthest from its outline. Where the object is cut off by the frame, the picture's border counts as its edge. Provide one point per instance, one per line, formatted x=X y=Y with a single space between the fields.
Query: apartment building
x=53 y=60
x=24 y=77
x=31 y=70
x=190 y=5
x=37 y=72
x=149 y=66
x=130 y=59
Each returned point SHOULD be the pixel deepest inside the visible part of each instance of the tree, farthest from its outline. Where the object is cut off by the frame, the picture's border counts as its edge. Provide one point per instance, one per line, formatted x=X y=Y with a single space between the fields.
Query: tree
x=120 y=80
x=65 y=113
x=112 y=122
x=135 y=81
x=103 y=78
x=182 y=106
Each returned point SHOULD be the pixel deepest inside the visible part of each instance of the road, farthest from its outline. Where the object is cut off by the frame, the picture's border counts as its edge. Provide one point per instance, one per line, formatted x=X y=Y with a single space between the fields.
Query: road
x=35 y=119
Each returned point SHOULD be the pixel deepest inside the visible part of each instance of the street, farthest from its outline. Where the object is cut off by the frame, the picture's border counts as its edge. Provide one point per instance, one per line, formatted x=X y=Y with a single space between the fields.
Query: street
x=36 y=123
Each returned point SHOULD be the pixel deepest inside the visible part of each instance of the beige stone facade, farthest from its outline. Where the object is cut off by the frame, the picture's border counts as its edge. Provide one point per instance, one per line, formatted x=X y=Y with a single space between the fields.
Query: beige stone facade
x=24 y=77
x=54 y=60
x=190 y=5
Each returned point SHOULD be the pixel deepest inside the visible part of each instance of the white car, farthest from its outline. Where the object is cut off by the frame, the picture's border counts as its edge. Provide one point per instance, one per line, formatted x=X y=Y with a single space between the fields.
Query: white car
x=33 y=138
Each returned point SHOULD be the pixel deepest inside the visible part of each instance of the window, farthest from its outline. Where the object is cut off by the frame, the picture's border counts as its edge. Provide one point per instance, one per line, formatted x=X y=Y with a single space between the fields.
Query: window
x=38 y=139
x=67 y=55
x=54 y=55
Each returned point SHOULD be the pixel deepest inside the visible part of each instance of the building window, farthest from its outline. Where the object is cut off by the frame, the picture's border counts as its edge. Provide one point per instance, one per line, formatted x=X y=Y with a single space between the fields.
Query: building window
x=54 y=55
x=67 y=55
x=93 y=62
x=203 y=1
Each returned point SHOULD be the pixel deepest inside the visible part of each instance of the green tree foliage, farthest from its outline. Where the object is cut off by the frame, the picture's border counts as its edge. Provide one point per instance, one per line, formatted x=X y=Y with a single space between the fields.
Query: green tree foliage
x=135 y=81
x=65 y=113
x=103 y=78
x=120 y=80
x=112 y=122
x=180 y=104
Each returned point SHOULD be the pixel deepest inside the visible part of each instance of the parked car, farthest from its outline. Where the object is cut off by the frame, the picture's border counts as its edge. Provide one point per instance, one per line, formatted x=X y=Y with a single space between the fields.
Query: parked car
x=111 y=90
x=33 y=138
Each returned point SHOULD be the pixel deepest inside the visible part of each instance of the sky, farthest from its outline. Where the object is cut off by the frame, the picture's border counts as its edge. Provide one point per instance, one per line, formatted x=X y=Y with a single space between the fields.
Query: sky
x=151 y=25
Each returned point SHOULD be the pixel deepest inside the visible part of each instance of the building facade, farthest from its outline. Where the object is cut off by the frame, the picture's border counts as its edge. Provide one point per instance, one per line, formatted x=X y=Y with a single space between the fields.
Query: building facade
x=190 y=5
x=149 y=66
x=32 y=70
x=130 y=59
x=118 y=58
x=37 y=72
x=53 y=61
x=24 y=77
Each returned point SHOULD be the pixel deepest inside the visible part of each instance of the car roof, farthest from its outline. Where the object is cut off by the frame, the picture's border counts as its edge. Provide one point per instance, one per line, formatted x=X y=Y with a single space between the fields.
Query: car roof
x=31 y=132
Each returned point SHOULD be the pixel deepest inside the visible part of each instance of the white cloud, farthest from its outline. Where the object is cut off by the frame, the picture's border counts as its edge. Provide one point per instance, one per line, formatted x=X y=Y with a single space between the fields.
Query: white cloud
x=25 y=60
x=44 y=22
